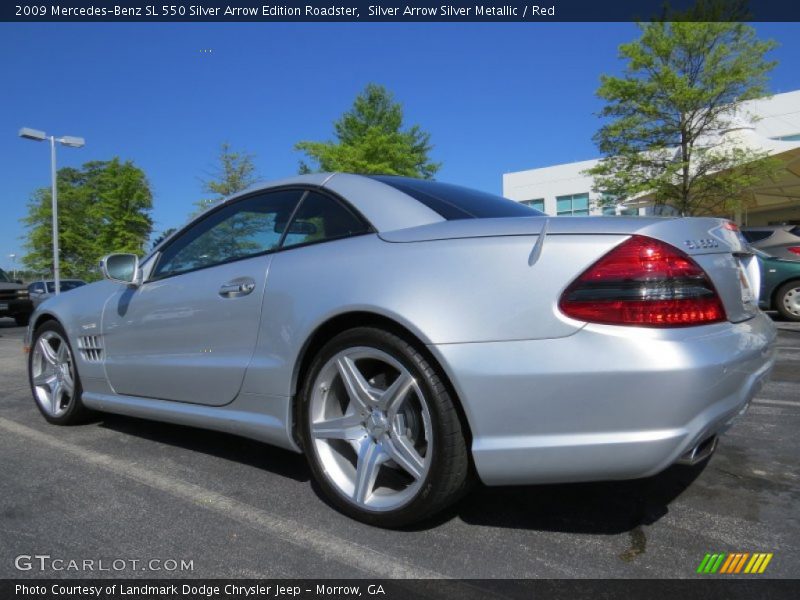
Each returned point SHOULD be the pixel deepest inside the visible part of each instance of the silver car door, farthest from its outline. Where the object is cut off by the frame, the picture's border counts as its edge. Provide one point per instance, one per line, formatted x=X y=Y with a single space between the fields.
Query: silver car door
x=188 y=333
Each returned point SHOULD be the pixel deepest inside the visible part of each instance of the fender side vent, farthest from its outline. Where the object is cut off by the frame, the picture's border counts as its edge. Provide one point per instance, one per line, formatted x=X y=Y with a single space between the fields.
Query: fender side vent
x=91 y=347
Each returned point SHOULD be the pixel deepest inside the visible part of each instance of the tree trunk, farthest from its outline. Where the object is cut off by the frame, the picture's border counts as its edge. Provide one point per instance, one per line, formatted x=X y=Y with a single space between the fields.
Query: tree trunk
x=685 y=157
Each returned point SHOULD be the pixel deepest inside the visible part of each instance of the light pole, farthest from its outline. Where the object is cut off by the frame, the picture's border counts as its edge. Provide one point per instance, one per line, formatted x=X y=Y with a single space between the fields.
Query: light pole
x=66 y=140
x=13 y=258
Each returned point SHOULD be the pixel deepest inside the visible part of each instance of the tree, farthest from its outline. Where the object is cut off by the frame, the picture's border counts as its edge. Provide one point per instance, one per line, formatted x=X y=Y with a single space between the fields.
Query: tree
x=234 y=173
x=670 y=111
x=370 y=139
x=103 y=207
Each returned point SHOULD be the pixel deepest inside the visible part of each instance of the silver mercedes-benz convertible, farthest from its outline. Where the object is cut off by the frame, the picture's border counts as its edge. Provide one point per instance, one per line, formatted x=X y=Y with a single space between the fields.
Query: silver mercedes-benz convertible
x=411 y=336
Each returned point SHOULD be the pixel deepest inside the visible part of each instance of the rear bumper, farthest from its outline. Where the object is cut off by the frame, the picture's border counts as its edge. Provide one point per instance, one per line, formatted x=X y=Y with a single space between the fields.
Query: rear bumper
x=607 y=402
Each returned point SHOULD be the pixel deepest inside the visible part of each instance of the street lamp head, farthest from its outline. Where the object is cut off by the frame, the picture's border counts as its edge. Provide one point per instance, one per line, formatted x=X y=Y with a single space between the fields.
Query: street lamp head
x=32 y=134
x=72 y=142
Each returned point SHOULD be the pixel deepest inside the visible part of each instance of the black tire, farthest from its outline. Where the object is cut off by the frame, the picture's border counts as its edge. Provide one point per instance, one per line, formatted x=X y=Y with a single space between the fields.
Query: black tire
x=448 y=476
x=22 y=320
x=788 y=292
x=75 y=411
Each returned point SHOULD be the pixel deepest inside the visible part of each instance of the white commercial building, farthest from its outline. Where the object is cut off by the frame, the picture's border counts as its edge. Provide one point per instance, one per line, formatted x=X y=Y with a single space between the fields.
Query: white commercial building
x=770 y=124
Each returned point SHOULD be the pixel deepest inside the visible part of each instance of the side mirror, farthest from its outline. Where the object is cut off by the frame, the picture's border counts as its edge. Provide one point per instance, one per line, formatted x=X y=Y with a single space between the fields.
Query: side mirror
x=122 y=268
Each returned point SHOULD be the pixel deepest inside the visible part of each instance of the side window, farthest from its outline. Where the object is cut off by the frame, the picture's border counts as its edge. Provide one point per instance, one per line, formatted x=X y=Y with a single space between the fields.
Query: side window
x=322 y=218
x=241 y=229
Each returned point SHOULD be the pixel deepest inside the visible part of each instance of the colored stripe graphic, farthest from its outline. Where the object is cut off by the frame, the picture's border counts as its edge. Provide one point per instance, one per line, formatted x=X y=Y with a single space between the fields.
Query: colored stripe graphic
x=733 y=563
x=710 y=564
x=741 y=562
x=759 y=563
x=703 y=563
x=716 y=565
x=754 y=563
x=765 y=563
x=727 y=566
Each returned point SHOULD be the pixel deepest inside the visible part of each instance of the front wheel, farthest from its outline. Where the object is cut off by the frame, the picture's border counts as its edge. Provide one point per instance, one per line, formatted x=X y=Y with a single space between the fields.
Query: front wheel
x=787 y=301
x=381 y=432
x=53 y=376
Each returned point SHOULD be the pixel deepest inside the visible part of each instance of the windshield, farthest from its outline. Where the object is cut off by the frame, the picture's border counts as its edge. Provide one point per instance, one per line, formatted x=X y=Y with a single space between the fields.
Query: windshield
x=4 y=277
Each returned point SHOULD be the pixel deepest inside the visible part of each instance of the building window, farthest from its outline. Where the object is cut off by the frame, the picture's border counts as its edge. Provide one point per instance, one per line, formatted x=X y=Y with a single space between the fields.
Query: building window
x=574 y=204
x=619 y=211
x=537 y=203
x=608 y=204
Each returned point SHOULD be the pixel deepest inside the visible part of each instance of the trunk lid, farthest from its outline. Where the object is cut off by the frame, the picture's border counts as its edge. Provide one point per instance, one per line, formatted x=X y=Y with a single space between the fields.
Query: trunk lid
x=713 y=243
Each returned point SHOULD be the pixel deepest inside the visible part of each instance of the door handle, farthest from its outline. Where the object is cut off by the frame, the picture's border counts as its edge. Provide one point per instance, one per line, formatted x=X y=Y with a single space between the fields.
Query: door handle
x=235 y=288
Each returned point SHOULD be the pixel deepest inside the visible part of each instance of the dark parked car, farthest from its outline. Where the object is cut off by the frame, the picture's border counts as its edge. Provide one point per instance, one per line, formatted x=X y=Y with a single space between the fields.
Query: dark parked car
x=780 y=285
x=782 y=241
x=14 y=300
x=44 y=289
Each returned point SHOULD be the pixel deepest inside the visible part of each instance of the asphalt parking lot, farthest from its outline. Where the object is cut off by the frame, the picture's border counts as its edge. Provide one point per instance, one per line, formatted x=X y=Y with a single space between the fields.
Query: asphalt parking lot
x=123 y=488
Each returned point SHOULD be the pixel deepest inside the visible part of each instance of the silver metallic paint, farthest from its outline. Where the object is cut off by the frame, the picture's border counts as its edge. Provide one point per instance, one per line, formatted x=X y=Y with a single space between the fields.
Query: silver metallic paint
x=547 y=398
x=606 y=403
x=193 y=344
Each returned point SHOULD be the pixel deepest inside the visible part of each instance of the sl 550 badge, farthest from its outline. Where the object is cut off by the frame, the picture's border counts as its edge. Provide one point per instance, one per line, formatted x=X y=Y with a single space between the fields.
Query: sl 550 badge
x=703 y=243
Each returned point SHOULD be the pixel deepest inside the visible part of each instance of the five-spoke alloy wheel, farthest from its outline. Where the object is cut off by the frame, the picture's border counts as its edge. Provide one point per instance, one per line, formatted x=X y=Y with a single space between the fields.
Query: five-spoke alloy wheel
x=53 y=375
x=380 y=429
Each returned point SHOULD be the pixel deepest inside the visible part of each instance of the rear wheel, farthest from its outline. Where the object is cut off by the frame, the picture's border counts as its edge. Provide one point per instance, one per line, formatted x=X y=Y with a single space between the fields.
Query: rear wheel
x=787 y=301
x=380 y=430
x=53 y=376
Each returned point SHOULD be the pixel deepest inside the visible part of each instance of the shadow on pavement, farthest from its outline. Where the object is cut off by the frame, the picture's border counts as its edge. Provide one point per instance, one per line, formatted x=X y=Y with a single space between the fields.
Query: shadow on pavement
x=220 y=445
x=594 y=508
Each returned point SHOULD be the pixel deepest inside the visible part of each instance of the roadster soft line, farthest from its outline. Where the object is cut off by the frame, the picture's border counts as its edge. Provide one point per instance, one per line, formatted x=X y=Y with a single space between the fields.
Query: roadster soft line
x=410 y=335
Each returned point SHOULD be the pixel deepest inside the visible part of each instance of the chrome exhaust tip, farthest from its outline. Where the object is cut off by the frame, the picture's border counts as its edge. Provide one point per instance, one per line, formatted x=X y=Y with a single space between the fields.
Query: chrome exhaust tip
x=700 y=452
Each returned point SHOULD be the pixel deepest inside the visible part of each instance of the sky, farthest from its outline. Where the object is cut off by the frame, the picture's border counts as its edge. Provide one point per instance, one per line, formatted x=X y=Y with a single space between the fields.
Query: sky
x=494 y=97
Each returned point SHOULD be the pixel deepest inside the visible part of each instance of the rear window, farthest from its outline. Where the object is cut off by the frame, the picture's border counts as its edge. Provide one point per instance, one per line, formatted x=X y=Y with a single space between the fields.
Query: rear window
x=756 y=236
x=454 y=202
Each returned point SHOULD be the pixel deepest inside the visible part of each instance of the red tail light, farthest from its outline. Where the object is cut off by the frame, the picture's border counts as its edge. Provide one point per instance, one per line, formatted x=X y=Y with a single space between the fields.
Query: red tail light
x=794 y=249
x=730 y=226
x=644 y=282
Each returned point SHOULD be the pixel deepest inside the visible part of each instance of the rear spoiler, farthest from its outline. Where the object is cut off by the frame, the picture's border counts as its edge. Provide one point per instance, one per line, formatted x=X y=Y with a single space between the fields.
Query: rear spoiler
x=693 y=235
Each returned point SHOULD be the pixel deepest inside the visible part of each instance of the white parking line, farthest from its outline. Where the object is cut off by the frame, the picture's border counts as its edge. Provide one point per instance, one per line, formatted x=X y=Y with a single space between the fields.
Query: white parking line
x=776 y=402
x=328 y=546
